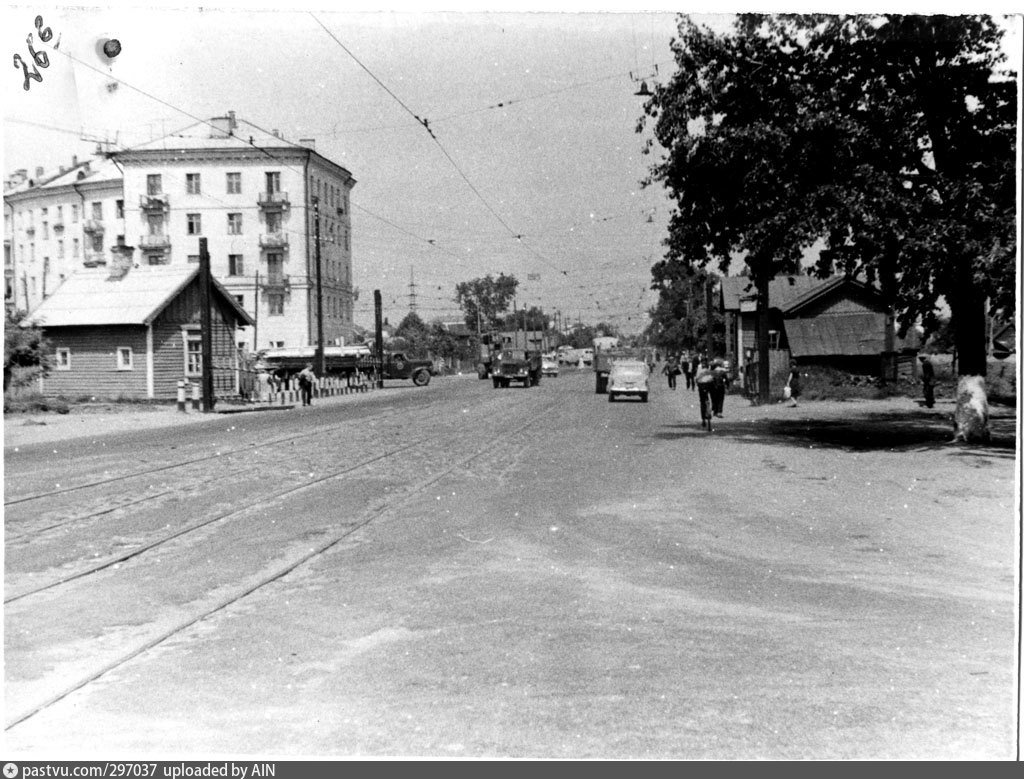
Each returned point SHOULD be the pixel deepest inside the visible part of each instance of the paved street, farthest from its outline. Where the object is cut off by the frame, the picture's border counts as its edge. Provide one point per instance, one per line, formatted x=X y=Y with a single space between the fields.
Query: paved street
x=463 y=571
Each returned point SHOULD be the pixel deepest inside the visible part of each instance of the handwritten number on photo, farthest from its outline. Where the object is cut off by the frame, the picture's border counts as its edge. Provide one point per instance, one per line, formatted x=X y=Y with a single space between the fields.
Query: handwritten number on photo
x=39 y=58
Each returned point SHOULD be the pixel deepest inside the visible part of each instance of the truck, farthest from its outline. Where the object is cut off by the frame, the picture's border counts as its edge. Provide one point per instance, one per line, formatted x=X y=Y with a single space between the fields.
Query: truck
x=494 y=343
x=345 y=361
x=604 y=355
x=516 y=365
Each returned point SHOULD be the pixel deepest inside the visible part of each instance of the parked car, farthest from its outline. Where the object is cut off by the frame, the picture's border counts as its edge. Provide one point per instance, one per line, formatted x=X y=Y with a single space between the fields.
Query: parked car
x=549 y=367
x=629 y=377
x=588 y=356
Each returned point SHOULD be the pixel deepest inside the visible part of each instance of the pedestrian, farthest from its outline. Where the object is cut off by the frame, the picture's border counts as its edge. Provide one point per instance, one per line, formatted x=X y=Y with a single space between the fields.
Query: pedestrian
x=928 y=380
x=306 y=379
x=694 y=366
x=671 y=370
x=793 y=383
x=262 y=384
x=685 y=367
x=721 y=378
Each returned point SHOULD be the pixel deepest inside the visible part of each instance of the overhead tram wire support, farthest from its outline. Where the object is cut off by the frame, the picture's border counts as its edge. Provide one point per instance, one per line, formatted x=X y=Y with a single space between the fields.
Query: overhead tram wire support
x=319 y=292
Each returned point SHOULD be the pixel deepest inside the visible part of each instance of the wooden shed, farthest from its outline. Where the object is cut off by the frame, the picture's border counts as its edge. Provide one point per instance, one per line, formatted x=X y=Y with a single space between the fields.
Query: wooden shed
x=136 y=332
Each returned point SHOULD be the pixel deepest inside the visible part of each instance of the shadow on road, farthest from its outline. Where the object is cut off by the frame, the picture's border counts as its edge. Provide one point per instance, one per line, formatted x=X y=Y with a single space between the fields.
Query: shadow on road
x=859 y=431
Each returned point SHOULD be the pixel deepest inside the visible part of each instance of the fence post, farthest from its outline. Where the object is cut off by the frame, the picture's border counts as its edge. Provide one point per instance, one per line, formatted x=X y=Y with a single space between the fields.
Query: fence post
x=195 y=397
x=181 y=395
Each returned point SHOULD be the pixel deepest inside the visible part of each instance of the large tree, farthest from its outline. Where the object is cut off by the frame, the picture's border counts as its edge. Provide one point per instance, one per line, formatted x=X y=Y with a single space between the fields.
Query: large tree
x=891 y=138
x=24 y=347
x=679 y=320
x=484 y=300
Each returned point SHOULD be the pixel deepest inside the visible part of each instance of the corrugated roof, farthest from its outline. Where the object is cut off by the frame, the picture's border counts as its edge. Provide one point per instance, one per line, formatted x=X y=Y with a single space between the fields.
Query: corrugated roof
x=90 y=297
x=850 y=334
x=781 y=290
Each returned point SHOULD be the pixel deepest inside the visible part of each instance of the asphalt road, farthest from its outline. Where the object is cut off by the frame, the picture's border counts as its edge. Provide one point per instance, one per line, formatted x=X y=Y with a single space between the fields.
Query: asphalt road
x=460 y=571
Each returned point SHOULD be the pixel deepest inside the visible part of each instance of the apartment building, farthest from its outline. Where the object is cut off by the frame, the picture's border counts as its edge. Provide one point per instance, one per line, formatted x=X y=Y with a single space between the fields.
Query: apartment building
x=253 y=196
x=56 y=223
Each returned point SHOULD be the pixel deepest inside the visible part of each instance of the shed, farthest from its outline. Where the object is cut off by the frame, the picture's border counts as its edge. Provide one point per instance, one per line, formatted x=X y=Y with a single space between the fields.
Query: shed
x=135 y=332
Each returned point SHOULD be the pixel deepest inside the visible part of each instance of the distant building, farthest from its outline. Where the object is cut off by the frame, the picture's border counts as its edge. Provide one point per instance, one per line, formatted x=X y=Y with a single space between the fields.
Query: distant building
x=57 y=223
x=251 y=195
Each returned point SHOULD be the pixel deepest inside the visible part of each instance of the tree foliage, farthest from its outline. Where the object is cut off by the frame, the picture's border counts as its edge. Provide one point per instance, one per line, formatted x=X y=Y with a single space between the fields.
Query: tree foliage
x=484 y=300
x=679 y=320
x=24 y=347
x=415 y=334
x=890 y=138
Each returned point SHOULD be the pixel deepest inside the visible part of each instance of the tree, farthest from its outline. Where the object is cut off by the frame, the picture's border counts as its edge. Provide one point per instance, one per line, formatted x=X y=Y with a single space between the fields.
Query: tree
x=679 y=320
x=890 y=137
x=415 y=333
x=484 y=300
x=24 y=347
x=737 y=143
x=533 y=319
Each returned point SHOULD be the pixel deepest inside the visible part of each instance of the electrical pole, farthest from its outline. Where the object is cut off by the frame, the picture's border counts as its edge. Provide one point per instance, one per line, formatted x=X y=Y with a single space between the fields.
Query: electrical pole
x=319 y=292
x=256 y=315
x=708 y=284
x=378 y=336
x=206 y=323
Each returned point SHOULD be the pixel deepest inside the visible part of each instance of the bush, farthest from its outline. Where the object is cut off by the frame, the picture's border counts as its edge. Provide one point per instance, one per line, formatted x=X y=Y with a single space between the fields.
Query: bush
x=35 y=404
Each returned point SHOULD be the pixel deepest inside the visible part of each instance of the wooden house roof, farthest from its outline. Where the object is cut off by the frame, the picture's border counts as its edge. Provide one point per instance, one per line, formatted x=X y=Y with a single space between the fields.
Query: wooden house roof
x=91 y=296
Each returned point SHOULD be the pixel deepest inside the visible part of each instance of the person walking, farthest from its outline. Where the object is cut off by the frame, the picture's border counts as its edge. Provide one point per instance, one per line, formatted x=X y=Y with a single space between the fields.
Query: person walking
x=684 y=366
x=694 y=367
x=306 y=380
x=721 y=377
x=671 y=370
x=793 y=382
x=928 y=380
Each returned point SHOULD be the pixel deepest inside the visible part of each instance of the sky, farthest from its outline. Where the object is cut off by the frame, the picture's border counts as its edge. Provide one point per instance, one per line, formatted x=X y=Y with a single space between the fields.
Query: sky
x=530 y=163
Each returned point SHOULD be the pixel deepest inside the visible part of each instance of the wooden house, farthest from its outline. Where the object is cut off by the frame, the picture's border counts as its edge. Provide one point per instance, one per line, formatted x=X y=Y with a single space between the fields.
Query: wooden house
x=136 y=332
x=838 y=322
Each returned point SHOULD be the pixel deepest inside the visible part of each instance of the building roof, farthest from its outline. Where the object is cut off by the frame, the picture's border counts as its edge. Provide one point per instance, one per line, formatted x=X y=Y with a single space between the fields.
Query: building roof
x=738 y=292
x=94 y=171
x=820 y=290
x=91 y=297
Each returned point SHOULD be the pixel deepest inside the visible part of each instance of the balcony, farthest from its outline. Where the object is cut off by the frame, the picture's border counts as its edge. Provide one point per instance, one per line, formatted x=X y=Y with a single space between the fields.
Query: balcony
x=274 y=241
x=93 y=226
x=58 y=226
x=274 y=200
x=151 y=242
x=277 y=284
x=93 y=259
x=157 y=202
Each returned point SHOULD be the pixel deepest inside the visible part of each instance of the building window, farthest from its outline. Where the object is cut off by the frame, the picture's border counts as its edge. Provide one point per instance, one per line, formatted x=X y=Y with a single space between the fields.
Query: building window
x=156 y=259
x=234 y=183
x=74 y=214
x=193 y=259
x=97 y=211
x=119 y=209
x=74 y=248
x=97 y=242
x=60 y=214
x=195 y=224
x=63 y=359
x=192 y=183
x=275 y=268
x=275 y=303
x=348 y=246
x=193 y=353
x=124 y=358
x=273 y=222
x=234 y=224
x=773 y=339
x=156 y=224
x=273 y=182
x=60 y=250
x=46 y=230
x=154 y=184
x=240 y=299
x=235 y=266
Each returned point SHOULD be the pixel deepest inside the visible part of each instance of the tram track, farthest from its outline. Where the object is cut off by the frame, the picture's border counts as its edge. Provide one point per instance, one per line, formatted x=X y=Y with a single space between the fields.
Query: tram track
x=483 y=446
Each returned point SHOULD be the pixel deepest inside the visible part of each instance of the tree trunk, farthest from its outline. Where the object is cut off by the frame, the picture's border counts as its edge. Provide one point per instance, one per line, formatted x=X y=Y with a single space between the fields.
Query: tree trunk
x=967 y=306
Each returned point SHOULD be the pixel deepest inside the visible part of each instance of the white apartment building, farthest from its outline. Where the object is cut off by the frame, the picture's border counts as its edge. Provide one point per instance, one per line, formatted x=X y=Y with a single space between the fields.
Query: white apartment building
x=253 y=196
x=57 y=223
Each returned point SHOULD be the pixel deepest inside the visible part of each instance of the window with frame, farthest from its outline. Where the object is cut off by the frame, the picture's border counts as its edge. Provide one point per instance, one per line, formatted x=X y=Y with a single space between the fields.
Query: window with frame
x=119 y=209
x=235 y=265
x=60 y=213
x=275 y=303
x=240 y=299
x=154 y=184
x=97 y=242
x=74 y=214
x=234 y=224
x=63 y=359
x=97 y=211
x=60 y=249
x=155 y=223
x=273 y=222
x=273 y=181
x=193 y=259
x=124 y=358
x=275 y=268
x=192 y=185
x=194 y=225
x=773 y=339
x=193 y=353
x=46 y=229
x=157 y=259
x=234 y=183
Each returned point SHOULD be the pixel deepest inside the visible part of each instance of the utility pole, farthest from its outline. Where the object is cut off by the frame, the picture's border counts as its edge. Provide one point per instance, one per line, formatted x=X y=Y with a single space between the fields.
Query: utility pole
x=378 y=336
x=412 y=291
x=709 y=284
x=319 y=292
x=206 y=323
x=256 y=315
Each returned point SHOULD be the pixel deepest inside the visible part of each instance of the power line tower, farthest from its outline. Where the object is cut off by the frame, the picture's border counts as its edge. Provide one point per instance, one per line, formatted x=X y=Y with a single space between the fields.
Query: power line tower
x=412 y=291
